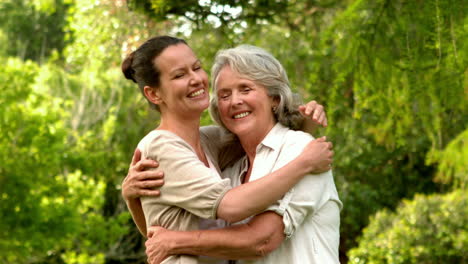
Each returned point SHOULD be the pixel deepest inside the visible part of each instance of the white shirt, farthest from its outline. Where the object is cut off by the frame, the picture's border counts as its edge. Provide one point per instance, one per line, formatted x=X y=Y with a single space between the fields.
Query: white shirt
x=310 y=211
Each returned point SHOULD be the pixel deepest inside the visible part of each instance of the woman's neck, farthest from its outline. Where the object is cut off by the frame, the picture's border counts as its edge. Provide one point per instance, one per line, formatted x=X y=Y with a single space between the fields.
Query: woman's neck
x=187 y=129
x=249 y=144
x=250 y=141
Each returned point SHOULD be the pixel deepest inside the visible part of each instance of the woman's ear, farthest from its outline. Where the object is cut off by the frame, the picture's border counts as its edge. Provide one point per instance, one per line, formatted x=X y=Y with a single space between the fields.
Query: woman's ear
x=152 y=94
x=275 y=101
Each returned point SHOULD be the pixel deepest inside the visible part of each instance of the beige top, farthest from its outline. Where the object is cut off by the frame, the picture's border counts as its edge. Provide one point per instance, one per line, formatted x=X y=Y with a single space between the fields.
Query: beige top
x=310 y=210
x=191 y=190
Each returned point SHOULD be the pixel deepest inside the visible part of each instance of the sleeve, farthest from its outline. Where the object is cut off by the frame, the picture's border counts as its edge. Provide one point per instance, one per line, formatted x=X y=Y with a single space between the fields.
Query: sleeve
x=306 y=196
x=188 y=183
x=304 y=199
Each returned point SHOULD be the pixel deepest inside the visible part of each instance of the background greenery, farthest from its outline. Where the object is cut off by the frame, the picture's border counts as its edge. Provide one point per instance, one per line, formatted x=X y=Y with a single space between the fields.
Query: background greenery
x=392 y=76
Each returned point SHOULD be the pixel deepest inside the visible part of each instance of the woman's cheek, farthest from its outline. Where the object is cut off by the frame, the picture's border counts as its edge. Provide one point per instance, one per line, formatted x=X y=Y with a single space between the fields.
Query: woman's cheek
x=221 y=108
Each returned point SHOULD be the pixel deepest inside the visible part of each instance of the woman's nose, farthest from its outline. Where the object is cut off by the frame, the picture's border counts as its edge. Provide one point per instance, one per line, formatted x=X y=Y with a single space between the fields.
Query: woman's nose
x=195 y=78
x=237 y=99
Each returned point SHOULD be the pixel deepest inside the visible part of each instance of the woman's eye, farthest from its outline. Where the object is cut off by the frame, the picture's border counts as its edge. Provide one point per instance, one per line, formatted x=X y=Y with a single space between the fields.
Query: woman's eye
x=179 y=75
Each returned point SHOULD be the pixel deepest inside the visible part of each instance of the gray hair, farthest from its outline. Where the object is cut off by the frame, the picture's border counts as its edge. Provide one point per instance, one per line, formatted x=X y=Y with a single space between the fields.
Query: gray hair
x=258 y=65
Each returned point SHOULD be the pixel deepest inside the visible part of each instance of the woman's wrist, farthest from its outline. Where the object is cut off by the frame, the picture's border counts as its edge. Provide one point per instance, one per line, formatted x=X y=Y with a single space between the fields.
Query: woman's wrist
x=132 y=200
x=180 y=242
x=303 y=165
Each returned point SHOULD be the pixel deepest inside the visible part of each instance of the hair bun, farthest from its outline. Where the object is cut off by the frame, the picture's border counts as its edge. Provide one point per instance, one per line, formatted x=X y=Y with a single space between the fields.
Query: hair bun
x=127 y=68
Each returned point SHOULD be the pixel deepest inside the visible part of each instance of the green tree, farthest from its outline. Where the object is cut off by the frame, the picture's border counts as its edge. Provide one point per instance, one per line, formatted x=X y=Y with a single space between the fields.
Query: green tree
x=399 y=72
x=46 y=202
x=34 y=30
x=61 y=117
x=429 y=229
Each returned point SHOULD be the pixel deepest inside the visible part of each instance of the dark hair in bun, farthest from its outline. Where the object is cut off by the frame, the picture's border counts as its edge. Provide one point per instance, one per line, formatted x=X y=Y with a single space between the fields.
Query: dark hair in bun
x=127 y=69
x=138 y=66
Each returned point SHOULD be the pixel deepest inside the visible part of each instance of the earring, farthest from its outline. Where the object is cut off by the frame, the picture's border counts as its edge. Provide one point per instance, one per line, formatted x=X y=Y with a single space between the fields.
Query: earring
x=274 y=109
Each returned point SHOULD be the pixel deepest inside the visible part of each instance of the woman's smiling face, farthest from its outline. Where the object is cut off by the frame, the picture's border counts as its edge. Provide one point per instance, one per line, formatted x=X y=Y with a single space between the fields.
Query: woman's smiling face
x=245 y=108
x=183 y=82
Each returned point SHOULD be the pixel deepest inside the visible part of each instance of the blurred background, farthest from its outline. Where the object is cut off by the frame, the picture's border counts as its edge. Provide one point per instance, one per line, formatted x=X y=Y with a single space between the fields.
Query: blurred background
x=392 y=75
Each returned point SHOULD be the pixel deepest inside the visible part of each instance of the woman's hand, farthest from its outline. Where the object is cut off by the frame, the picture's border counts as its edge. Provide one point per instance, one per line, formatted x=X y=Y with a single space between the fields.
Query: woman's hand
x=139 y=181
x=157 y=248
x=317 y=156
x=314 y=114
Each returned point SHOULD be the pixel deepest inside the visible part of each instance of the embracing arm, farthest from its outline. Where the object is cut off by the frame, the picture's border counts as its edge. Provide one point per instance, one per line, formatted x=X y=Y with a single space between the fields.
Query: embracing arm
x=139 y=183
x=314 y=115
x=262 y=235
x=208 y=197
x=244 y=200
x=236 y=204
x=134 y=206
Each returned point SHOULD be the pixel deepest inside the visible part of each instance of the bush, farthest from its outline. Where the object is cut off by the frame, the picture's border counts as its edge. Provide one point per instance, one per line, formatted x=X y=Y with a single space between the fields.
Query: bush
x=428 y=229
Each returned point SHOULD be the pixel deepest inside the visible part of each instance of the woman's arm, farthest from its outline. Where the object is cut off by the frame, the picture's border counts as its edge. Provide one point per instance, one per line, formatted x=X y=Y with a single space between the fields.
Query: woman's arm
x=244 y=200
x=233 y=207
x=140 y=183
x=262 y=235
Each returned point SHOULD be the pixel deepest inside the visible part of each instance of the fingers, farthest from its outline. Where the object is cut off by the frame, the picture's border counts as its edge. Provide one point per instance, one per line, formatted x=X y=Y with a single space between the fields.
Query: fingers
x=318 y=111
x=150 y=184
x=150 y=232
x=149 y=175
x=314 y=111
x=321 y=139
x=311 y=106
x=136 y=156
x=145 y=164
x=149 y=250
x=149 y=193
x=321 y=120
x=302 y=109
x=308 y=109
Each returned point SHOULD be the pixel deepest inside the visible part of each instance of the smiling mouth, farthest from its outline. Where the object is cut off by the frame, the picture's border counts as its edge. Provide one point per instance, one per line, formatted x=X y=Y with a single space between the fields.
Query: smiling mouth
x=241 y=115
x=196 y=93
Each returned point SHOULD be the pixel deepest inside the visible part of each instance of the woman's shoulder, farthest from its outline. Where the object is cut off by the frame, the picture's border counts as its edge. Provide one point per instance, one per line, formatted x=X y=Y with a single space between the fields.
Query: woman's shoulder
x=297 y=137
x=162 y=140
x=158 y=134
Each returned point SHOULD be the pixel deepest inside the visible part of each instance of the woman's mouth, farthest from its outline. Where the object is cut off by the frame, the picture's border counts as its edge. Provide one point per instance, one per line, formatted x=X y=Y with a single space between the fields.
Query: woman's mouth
x=196 y=93
x=241 y=115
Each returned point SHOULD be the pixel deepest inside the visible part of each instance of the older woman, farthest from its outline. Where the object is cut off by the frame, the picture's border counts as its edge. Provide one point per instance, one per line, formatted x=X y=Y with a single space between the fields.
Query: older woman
x=253 y=101
x=173 y=81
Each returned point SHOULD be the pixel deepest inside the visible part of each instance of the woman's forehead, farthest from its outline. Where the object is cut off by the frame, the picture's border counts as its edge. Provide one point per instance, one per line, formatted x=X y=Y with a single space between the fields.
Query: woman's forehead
x=176 y=56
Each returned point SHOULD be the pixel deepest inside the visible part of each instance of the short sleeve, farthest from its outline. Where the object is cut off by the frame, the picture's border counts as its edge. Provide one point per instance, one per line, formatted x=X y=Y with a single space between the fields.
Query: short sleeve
x=188 y=183
x=303 y=200
x=307 y=196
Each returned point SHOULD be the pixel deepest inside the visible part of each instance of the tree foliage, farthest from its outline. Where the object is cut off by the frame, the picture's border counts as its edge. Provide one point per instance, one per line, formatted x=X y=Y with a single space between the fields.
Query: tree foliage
x=391 y=74
x=398 y=71
x=48 y=200
x=62 y=119
x=429 y=229
x=34 y=30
